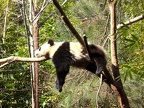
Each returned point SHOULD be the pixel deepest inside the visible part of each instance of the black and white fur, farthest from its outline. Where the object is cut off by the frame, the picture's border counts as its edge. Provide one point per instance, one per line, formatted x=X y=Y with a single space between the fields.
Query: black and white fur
x=66 y=54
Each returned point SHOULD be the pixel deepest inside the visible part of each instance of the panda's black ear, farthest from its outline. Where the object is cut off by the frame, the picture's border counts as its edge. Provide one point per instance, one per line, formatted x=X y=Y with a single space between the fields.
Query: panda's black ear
x=51 y=42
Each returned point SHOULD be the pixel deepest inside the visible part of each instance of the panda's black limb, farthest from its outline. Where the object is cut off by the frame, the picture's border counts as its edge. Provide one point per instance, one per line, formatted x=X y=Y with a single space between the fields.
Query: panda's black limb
x=61 y=72
x=98 y=60
x=97 y=57
x=95 y=68
x=101 y=64
x=61 y=60
x=91 y=67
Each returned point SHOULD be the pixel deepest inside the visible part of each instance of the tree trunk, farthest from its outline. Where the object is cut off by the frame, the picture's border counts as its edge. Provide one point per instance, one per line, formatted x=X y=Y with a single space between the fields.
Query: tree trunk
x=34 y=45
x=5 y=22
x=36 y=65
x=120 y=93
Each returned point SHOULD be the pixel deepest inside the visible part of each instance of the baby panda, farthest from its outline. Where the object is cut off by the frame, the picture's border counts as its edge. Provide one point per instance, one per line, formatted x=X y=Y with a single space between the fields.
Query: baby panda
x=66 y=54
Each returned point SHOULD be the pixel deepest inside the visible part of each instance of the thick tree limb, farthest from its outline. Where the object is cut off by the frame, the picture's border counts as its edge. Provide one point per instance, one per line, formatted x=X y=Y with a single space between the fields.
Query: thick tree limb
x=6 y=61
x=68 y=23
x=131 y=21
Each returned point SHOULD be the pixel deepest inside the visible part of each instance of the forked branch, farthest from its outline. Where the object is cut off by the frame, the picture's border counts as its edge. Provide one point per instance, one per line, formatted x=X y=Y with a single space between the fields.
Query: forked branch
x=6 y=61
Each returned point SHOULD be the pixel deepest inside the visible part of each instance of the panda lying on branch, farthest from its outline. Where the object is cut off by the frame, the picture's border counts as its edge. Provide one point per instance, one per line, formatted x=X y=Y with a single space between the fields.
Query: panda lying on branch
x=66 y=54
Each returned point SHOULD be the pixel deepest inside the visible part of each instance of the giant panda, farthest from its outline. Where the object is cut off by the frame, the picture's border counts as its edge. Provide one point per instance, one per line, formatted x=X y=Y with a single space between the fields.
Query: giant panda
x=66 y=54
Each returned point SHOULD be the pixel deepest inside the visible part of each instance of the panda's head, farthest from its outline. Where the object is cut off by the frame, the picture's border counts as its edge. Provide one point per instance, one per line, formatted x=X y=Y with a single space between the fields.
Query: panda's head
x=48 y=49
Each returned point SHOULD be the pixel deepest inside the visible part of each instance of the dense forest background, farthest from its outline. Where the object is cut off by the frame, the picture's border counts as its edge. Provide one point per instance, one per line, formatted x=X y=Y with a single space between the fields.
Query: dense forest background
x=90 y=17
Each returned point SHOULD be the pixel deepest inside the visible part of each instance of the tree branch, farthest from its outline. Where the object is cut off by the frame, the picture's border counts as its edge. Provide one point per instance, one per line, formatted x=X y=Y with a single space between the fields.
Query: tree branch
x=131 y=21
x=27 y=31
x=68 y=23
x=5 y=22
x=98 y=91
x=6 y=61
x=44 y=5
x=40 y=24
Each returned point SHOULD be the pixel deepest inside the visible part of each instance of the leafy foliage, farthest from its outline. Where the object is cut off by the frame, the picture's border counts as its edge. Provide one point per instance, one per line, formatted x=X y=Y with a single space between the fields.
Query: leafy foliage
x=15 y=83
x=132 y=50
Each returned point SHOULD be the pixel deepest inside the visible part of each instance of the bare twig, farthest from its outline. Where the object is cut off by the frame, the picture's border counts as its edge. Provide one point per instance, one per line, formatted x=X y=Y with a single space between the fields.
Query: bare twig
x=36 y=18
x=107 y=23
x=63 y=2
x=98 y=91
x=131 y=21
x=41 y=23
x=5 y=64
x=105 y=41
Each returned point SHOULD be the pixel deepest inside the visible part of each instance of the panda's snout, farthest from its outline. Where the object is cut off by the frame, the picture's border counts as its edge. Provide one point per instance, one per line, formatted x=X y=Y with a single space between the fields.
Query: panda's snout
x=37 y=54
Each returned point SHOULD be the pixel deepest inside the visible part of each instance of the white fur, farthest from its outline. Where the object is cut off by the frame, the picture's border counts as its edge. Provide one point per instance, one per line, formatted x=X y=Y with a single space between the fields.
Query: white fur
x=80 y=57
x=47 y=49
x=78 y=51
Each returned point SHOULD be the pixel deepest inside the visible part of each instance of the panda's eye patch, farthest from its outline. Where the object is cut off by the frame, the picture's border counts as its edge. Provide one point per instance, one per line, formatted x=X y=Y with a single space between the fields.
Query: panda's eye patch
x=39 y=48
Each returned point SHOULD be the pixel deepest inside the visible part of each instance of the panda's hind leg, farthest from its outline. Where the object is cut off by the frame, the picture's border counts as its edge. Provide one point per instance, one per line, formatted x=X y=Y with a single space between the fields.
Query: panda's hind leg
x=61 y=72
x=91 y=67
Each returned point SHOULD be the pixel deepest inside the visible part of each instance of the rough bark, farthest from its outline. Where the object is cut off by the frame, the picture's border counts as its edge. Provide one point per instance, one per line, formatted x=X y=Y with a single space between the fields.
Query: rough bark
x=120 y=93
x=36 y=65
x=34 y=45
